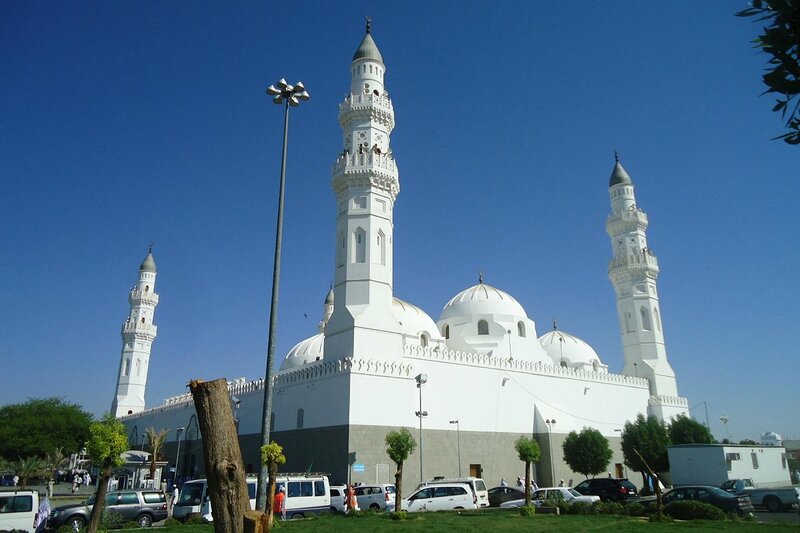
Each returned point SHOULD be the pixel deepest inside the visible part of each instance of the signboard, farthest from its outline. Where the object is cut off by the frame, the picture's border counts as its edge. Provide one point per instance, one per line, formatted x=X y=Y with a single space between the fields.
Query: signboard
x=358 y=467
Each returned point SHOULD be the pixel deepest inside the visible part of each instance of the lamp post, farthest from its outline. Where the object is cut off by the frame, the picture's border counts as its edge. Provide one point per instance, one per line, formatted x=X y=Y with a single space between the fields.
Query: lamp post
x=458 y=440
x=550 y=423
x=724 y=420
x=288 y=95
x=178 y=455
x=421 y=379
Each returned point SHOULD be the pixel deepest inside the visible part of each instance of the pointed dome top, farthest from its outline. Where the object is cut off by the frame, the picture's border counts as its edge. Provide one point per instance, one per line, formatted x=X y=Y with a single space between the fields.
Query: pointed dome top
x=618 y=175
x=148 y=265
x=368 y=49
x=329 y=297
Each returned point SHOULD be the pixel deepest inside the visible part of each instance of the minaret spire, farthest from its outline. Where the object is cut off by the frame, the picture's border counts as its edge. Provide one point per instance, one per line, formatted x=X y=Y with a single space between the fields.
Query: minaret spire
x=138 y=334
x=369 y=25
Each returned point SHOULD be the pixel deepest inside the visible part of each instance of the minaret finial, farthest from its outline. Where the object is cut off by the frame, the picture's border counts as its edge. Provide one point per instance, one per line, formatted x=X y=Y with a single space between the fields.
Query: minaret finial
x=555 y=325
x=480 y=277
x=150 y=250
x=616 y=157
x=369 y=25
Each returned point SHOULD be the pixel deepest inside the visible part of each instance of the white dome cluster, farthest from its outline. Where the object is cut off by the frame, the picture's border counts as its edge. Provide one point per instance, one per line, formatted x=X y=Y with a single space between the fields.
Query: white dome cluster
x=570 y=351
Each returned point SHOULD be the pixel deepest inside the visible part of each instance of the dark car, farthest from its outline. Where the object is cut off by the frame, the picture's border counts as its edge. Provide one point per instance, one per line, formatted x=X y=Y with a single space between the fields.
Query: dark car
x=609 y=489
x=142 y=506
x=729 y=503
x=498 y=495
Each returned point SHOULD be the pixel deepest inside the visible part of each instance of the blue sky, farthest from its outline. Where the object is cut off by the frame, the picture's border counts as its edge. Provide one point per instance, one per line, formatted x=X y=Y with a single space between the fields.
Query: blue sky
x=126 y=123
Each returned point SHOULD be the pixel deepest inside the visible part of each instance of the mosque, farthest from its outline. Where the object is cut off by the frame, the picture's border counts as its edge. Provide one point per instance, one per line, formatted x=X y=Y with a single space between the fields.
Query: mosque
x=467 y=385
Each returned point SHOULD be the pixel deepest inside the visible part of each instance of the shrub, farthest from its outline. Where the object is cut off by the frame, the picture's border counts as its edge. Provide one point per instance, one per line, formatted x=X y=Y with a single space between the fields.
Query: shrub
x=196 y=519
x=111 y=520
x=580 y=508
x=171 y=522
x=402 y=515
x=66 y=529
x=131 y=524
x=526 y=510
x=635 y=509
x=608 y=508
x=693 y=510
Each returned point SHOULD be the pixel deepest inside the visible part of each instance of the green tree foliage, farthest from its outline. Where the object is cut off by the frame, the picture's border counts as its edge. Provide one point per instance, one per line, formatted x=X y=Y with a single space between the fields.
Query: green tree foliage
x=28 y=468
x=528 y=452
x=650 y=438
x=38 y=426
x=748 y=442
x=155 y=441
x=587 y=452
x=684 y=430
x=780 y=40
x=107 y=442
x=399 y=445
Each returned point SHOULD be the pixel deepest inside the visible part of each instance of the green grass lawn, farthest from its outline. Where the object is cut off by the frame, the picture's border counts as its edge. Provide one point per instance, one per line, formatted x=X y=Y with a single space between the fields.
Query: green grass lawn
x=490 y=521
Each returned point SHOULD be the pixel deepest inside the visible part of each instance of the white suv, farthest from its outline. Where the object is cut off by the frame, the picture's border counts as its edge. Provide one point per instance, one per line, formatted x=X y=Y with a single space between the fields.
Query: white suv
x=375 y=497
x=441 y=497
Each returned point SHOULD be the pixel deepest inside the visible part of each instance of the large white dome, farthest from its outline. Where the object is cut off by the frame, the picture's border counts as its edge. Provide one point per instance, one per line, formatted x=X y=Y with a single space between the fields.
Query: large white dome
x=482 y=299
x=574 y=352
x=414 y=320
x=306 y=351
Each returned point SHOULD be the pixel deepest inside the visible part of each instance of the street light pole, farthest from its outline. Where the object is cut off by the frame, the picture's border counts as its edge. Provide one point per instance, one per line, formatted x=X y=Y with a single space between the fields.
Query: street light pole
x=550 y=423
x=178 y=455
x=421 y=379
x=458 y=440
x=289 y=95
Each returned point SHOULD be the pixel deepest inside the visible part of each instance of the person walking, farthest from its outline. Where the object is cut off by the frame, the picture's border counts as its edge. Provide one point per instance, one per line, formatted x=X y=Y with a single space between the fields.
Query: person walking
x=279 y=504
x=352 y=501
x=175 y=494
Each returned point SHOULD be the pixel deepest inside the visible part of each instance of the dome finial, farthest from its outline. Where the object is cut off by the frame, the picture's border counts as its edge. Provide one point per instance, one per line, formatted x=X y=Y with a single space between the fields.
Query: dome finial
x=150 y=250
x=616 y=157
x=555 y=325
x=369 y=25
x=480 y=277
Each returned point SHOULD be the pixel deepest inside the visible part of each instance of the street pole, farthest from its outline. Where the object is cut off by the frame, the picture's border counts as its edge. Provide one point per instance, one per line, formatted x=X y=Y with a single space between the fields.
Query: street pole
x=550 y=423
x=178 y=456
x=421 y=379
x=289 y=96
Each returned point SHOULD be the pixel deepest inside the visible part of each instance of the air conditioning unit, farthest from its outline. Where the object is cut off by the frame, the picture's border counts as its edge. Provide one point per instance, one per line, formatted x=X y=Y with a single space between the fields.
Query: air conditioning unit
x=733 y=457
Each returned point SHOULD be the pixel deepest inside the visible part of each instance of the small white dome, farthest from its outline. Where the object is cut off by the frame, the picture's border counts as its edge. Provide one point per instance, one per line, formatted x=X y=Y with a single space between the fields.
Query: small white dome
x=306 y=351
x=414 y=320
x=575 y=352
x=482 y=299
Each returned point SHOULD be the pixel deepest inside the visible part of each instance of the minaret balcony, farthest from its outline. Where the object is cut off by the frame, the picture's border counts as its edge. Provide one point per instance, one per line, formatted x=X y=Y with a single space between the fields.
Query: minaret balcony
x=143 y=297
x=638 y=262
x=361 y=107
x=366 y=169
x=624 y=222
x=139 y=330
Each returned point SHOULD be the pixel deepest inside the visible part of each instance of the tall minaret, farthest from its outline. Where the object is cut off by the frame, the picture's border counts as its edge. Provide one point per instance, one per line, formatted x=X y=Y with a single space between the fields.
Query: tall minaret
x=633 y=272
x=366 y=184
x=138 y=334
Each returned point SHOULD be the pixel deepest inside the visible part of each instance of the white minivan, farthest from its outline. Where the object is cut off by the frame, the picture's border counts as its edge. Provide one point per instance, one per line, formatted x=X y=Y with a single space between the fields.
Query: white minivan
x=194 y=500
x=477 y=485
x=306 y=494
x=18 y=510
x=441 y=497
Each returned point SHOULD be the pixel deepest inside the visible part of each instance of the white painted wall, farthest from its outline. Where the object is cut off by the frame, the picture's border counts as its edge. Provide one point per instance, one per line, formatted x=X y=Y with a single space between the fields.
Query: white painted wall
x=698 y=464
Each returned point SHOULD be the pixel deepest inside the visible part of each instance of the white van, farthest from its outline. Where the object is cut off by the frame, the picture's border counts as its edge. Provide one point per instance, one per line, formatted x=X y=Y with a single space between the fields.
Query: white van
x=476 y=484
x=441 y=497
x=194 y=500
x=306 y=494
x=18 y=510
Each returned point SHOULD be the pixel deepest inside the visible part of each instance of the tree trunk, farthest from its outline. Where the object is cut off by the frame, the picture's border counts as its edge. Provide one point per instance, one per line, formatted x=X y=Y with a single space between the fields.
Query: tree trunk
x=99 y=500
x=225 y=474
x=269 y=509
x=528 y=482
x=398 y=488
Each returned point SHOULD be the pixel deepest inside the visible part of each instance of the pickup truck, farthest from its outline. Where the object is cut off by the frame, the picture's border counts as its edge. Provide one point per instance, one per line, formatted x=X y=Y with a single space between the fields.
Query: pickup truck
x=774 y=499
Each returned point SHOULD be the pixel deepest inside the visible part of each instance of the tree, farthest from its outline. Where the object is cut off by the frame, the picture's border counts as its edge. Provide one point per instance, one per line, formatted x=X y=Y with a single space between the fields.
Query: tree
x=38 y=426
x=272 y=456
x=748 y=442
x=781 y=41
x=54 y=459
x=528 y=452
x=684 y=430
x=646 y=441
x=587 y=452
x=107 y=442
x=27 y=468
x=399 y=445
x=155 y=440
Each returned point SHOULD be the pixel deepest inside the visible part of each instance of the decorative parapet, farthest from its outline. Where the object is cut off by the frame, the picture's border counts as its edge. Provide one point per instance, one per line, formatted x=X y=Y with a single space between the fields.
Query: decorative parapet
x=370 y=106
x=365 y=169
x=322 y=369
x=516 y=365
x=146 y=332
x=145 y=297
x=631 y=219
x=668 y=400
x=645 y=261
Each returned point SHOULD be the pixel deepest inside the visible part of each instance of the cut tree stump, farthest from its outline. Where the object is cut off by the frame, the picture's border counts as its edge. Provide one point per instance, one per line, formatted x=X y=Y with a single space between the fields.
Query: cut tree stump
x=225 y=474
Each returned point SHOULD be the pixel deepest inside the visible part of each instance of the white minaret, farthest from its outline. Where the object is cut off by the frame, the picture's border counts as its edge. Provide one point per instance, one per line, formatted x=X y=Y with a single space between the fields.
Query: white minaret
x=138 y=334
x=366 y=184
x=633 y=272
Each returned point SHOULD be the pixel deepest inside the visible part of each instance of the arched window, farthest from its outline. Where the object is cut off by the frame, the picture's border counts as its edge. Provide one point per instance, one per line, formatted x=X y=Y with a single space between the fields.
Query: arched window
x=521 y=328
x=423 y=340
x=359 y=246
x=127 y=371
x=563 y=364
x=381 y=247
x=138 y=366
x=300 y=415
x=628 y=328
x=272 y=422
x=645 y=318
x=595 y=365
x=192 y=429
x=147 y=288
x=142 y=320
x=341 y=249
x=483 y=327
x=447 y=331
x=656 y=318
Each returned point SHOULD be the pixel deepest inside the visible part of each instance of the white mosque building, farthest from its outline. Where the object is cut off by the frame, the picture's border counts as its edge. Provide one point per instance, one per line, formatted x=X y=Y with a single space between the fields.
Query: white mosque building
x=487 y=376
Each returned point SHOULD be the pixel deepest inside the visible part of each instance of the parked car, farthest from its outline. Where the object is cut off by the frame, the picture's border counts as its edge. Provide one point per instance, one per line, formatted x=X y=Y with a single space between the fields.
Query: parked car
x=775 y=499
x=477 y=485
x=337 y=493
x=609 y=489
x=498 y=495
x=18 y=509
x=730 y=503
x=553 y=494
x=441 y=497
x=375 y=497
x=142 y=506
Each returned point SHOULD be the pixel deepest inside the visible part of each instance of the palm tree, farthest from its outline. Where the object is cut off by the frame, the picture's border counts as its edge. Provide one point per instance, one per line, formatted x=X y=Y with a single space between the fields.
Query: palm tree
x=29 y=467
x=155 y=440
x=53 y=460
